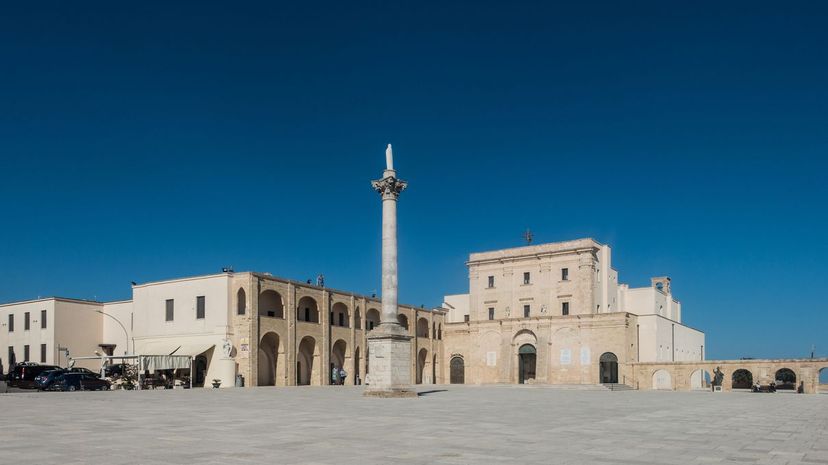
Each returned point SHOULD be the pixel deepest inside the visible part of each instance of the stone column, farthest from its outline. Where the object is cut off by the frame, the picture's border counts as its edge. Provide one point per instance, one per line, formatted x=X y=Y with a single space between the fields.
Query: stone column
x=389 y=345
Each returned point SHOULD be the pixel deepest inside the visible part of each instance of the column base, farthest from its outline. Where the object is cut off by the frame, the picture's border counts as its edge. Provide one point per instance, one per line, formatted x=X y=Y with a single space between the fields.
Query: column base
x=389 y=361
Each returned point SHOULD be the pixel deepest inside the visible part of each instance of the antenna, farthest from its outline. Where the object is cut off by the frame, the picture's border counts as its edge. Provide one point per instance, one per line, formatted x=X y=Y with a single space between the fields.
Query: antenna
x=528 y=236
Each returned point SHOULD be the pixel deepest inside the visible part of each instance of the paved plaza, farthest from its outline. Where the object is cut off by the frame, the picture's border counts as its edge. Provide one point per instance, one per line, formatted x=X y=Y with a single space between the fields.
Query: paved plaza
x=445 y=425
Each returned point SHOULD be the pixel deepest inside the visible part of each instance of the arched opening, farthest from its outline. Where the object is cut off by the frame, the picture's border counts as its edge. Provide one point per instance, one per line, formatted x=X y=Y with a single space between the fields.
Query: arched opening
x=457 y=370
x=422 y=356
x=337 y=360
x=357 y=319
x=422 y=327
x=357 y=377
x=700 y=380
x=306 y=361
x=662 y=380
x=241 y=302
x=403 y=320
x=339 y=315
x=200 y=368
x=268 y=359
x=785 y=379
x=527 y=360
x=742 y=379
x=372 y=319
x=307 y=310
x=270 y=304
x=608 y=368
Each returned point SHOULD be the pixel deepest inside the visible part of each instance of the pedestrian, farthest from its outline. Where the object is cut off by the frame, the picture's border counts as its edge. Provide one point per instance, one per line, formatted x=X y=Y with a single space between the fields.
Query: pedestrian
x=342 y=375
x=335 y=376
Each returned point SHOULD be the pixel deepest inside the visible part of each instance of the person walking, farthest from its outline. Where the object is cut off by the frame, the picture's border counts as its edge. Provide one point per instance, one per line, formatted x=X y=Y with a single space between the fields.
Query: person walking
x=335 y=376
x=342 y=375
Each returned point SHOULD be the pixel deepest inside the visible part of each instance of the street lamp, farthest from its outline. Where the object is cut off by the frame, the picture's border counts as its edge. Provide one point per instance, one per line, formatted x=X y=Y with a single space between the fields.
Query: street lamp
x=126 y=334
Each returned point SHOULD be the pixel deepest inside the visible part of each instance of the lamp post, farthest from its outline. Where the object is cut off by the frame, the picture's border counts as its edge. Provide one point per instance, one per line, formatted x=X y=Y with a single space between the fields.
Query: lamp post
x=126 y=334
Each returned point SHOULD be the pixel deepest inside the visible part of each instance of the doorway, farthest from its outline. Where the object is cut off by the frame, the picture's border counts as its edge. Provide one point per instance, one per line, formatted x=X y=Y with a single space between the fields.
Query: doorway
x=609 y=368
x=527 y=361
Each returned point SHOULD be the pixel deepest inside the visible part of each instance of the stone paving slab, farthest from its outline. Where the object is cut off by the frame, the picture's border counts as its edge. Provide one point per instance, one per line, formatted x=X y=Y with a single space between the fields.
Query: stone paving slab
x=448 y=425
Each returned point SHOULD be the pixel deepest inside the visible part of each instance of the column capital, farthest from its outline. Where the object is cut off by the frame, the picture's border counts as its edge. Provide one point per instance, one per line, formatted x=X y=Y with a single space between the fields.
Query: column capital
x=389 y=187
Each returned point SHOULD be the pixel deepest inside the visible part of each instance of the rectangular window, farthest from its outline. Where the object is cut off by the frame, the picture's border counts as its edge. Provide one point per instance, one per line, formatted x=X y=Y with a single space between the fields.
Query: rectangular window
x=26 y=353
x=42 y=353
x=491 y=313
x=564 y=274
x=527 y=278
x=200 y=307
x=565 y=308
x=491 y=282
x=43 y=319
x=170 y=310
x=11 y=323
x=27 y=317
x=466 y=318
x=526 y=311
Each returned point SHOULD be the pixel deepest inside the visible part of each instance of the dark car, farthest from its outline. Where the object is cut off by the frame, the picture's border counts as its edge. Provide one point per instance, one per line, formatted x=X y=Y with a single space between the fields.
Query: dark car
x=79 y=382
x=45 y=379
x=85 y=371
x=23 y=374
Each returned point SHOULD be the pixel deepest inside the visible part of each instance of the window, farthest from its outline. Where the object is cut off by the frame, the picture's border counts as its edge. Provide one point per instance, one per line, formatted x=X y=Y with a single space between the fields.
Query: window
x=526 y=311
x=43 y=319
x=26 y=321
x=42 y=353
x=170 y=310
x=527 y=278
x=564 y=274
x=200 y=307
x=491 y=282
x=466 y=318
x=11 y=323
x=491 y=313
x=26 y=353
x=564 y=308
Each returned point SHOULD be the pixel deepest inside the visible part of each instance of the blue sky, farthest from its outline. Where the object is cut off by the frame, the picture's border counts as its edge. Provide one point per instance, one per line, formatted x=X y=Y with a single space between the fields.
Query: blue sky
x=148 y=141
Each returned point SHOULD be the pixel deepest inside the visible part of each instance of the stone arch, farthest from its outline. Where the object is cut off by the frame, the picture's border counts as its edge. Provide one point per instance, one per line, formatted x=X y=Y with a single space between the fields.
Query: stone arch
x=457 y=370
x=340 y=316
x=700 y=380
x=742 y=379
x=662 y=380
x=241 y=302
x=339 y=356
x=422 y=358
x=271 y=304
x=422 y=327
x=525 y=336
x=403 y=320
x=307 y=310
x=372 y=319
x=307 y=365
x=271 y=358
x=357 y=319
x=608 y=368
x=785 y=379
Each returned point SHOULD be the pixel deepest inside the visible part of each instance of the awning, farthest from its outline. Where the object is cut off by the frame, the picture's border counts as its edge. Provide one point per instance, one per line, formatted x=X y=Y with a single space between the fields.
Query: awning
x=170 y=355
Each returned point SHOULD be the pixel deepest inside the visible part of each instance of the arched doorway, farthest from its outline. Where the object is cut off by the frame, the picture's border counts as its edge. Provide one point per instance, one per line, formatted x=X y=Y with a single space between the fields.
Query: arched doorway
x=338 y=358
x=742 y=379
x=268 y=359
x=662 y=380
x=339 y=315
x=422 y=356
x=785 y=379
x=403 y=320
x=608 y=368
x=457 y=374
x=270 y=304
x=305 y=362
x=200 y=368
x=527 y=360
x=700 y=380
x=422 y=327
x=372 y=319
x=307 y=310
x=241 y=302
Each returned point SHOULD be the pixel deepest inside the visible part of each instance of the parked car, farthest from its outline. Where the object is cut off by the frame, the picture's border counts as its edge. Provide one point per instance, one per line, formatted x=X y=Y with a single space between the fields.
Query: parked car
x=45 y=379
x=86 y=371
x=79 y=382
x=23 y=374
x=117 y=369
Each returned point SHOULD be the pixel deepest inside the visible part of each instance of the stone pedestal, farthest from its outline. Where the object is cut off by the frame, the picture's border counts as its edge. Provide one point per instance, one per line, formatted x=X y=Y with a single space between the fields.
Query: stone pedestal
x=225 y=370
x=389 y=359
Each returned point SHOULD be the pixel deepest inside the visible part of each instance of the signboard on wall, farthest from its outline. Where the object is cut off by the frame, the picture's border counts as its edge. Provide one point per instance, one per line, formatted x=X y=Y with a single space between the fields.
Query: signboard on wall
x=491 y=359
x=566 y=356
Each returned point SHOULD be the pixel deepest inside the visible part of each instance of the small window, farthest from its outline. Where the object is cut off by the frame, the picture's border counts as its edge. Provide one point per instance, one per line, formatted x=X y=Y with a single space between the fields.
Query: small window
x=42 y=353
x=170 y=310
x=527 y=278
x=491 y=282
x=491 y=313
x=26 y=353
x=565 y=308
x=43 y=319
x=526 y=311
x=11 y=323
x=26 y=321
x=466 y=318
x=200 y=307
x=564 y=274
